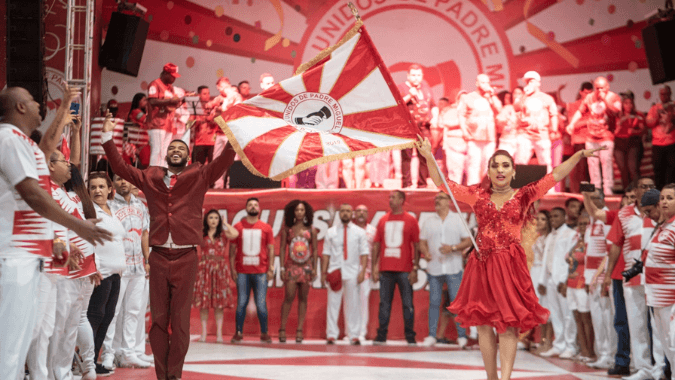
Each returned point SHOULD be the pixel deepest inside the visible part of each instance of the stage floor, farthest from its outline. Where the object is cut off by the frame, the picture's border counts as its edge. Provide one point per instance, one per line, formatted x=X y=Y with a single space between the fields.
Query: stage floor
x=313 y=360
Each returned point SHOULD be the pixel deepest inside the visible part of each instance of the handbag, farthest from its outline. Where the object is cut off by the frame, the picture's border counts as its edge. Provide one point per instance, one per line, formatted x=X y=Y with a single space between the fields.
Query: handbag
x=334 y=280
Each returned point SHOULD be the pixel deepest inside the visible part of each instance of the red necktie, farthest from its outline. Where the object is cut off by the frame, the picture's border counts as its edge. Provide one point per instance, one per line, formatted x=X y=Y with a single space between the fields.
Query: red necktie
x=344 y=244
x=173 y=181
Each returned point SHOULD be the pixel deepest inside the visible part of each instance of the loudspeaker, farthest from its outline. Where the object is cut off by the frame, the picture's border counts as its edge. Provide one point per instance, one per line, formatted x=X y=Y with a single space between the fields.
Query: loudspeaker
x=242 y=178
x=124 y=43
x=658 y=40
x=526 y=174
x=25 y=49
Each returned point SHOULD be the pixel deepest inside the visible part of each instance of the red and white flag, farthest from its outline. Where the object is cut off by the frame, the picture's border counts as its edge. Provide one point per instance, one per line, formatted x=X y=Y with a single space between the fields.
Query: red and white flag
x=341 y=104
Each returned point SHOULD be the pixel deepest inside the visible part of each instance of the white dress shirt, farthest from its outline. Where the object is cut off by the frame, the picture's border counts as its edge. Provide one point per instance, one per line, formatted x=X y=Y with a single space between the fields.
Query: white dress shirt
x=357 y=246
x=437 y=232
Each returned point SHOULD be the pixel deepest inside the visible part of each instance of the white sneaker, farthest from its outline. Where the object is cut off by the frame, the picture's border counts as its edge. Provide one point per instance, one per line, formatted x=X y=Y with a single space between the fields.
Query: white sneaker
x=107 y=362
x=642 y=374
x=429 y=341
x=521 y=346
x=146 y=358
x=462 y=342
x=552 y=352
x=91 y=375
x=567 y=354
x=602 y=363
x=133 y=362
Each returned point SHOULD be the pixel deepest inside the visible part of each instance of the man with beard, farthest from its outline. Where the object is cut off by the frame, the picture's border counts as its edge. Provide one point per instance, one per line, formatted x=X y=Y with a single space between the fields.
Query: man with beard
x=252 y=266
x=175 y=197
x=344 y=251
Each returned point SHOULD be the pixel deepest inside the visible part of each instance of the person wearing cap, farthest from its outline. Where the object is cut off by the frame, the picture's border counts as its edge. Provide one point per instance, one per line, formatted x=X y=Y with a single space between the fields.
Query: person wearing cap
x=453 y=143
x=578 y=132
x=659 y=268
x=660 y=121
x=602 y=108
x=477 y=112
x=537 y=122
x=628 y=149
x=162 y=104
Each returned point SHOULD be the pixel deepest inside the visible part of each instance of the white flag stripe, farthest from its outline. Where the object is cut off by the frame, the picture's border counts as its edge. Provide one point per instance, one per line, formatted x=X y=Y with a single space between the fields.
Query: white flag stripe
x=333 y=68
x=332 y=144
x=266 y=103
x=377 y=139
x=293 y=85
x=285 y=157
x=248 y=128
x=369 y=95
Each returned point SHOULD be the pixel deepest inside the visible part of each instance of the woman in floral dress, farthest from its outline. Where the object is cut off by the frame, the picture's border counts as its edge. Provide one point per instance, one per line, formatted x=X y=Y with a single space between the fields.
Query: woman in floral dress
x=214 y=286
x=299 y=262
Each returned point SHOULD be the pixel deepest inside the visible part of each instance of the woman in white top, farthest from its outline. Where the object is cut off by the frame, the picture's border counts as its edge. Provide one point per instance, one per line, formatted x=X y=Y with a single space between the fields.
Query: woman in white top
x=543 y=229
x=110 y=263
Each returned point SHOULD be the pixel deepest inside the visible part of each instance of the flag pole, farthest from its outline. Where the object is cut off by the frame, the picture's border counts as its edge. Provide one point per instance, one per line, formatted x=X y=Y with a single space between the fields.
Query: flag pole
x=355 y=11
x=454 y=202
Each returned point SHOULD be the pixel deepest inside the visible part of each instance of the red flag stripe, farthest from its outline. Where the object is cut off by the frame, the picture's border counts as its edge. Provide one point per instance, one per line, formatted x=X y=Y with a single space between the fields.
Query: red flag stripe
x=261 y=151
x=277 y=92
x=356 y=145
x=310 y=149
x=246 y=110
x=385 y=121
x=312 y=78
x=360 y=63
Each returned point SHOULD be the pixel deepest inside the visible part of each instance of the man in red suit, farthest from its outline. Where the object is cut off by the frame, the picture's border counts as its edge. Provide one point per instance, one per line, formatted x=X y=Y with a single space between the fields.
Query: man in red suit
x=175 y=197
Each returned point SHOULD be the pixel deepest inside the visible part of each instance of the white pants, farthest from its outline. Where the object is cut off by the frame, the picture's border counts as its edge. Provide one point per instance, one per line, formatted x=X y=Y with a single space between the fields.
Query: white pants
x=121 y=336
x=140 y=326
x=379 y=167
x=354 y=172
x=606 y=161
x=73 y=297
x=542 y=148
x=602 y=316
x=364 y=295
x=636 y=309
x=478 y=155
x=85 y=338
x=350 y=290
x=455 y=158
x=218 y=148
x=159 y=144
x=564 y=326
x=19 y=280
x=396 y=161
x=577 y=299
x=44 y=328
x=327 y=175
x=664 y=331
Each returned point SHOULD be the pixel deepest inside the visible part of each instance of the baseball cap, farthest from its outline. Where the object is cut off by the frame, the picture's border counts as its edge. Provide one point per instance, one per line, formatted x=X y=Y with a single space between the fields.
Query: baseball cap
x=532 y=75
x=171 y=69
x=650 y=197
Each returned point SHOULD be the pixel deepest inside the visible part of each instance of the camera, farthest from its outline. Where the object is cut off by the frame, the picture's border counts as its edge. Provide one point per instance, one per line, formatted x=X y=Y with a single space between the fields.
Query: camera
x=633 y=271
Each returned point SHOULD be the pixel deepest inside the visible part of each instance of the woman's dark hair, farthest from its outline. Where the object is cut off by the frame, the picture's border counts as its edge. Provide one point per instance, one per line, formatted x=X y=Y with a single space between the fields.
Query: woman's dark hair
x=502 y=95
x=135 y=102
x=547 y=214
x=219 y=227
x=289 y=213
x=76 y=185
x=633 y=111
x=486 y=184
x=102 y=175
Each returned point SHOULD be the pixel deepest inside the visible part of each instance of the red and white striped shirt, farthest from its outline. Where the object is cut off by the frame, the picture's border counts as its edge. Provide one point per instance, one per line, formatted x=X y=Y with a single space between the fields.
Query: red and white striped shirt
x=596 y=248
x=631 y=231
x=23 y=232
x=660 y=266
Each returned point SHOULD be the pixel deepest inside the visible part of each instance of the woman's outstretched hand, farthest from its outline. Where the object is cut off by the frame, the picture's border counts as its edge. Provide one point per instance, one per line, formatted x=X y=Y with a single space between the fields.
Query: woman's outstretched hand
x=592 y=152
x=424 y=147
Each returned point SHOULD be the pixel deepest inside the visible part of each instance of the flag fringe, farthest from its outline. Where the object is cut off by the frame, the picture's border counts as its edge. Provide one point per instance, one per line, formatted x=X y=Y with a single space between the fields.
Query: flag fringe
x=329 y=50
x=305 y=165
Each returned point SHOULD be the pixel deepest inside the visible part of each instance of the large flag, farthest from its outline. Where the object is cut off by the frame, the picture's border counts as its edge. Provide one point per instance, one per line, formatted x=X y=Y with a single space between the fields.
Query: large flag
x=341 y=104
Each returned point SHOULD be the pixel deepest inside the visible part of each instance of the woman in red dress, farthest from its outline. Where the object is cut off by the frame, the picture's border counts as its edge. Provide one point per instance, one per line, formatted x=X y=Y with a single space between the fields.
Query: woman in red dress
x=299 y=264
x=496 y=289
x=213 y=288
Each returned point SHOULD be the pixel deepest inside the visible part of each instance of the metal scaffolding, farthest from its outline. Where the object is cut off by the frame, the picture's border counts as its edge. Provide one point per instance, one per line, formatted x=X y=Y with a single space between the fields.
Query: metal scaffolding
x=78 y=67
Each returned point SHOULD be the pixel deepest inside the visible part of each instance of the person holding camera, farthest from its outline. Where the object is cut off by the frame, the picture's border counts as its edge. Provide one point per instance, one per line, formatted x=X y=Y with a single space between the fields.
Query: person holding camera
x=631 y=231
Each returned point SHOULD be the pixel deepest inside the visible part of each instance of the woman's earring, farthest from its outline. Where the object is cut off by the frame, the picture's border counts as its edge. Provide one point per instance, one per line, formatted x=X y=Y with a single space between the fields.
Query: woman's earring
x=514 y=175
x=305 y=220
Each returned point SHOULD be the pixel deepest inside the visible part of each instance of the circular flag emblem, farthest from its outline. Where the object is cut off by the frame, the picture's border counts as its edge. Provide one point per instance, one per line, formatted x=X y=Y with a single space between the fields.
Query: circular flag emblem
x=314 y=112
x=299 y=251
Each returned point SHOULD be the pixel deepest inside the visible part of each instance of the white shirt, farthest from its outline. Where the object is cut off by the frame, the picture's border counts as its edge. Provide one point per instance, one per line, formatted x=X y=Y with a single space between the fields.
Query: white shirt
x=357 y=246
x=110 y=255
x=23 y=232
x=437 y=232
x=558 y=243
x=135 y=219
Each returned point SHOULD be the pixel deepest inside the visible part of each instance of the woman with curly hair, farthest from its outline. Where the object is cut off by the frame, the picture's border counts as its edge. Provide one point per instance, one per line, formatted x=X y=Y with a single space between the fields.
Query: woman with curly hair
x=299 y=264
x=213 y=288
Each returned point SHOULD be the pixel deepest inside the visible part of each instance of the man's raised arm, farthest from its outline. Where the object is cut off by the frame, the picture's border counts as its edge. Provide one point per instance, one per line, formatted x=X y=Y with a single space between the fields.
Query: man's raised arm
x=119 y=167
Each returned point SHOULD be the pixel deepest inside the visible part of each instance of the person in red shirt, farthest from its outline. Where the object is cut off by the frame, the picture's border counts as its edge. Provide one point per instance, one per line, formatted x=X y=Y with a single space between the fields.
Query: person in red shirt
x=252 y=265
x=162 y=103
x=602 y=108
x=204 y=128
x=578 y=134
x=630 y=127
x=395 y=262
x=660 y=121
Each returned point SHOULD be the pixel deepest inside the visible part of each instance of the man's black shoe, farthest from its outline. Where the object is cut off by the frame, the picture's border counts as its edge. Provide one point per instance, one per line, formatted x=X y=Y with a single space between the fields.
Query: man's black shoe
x=618 y=370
